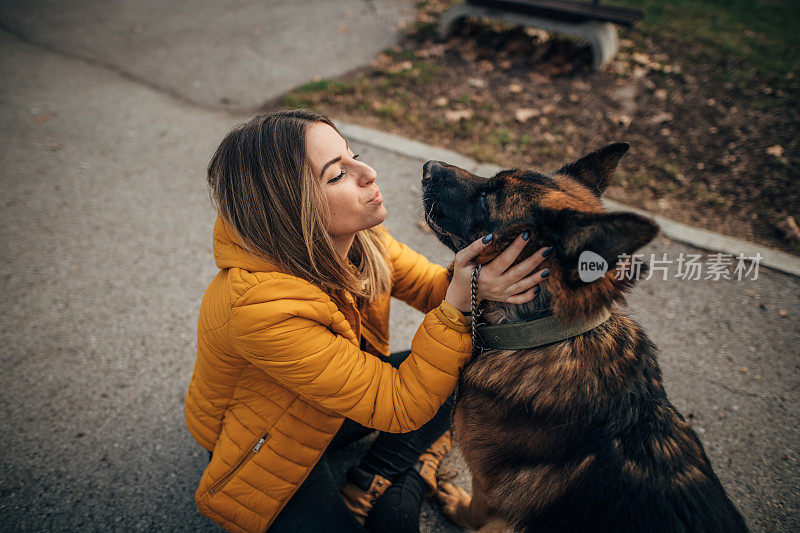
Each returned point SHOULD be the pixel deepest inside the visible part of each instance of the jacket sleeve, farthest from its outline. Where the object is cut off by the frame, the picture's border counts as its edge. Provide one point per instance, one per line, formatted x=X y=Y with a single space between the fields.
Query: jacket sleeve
x=299 y=341
x=415 y=280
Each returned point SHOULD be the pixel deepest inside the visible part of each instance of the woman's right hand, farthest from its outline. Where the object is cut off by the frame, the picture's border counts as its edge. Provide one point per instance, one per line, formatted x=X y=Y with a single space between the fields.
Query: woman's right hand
x=496 y=281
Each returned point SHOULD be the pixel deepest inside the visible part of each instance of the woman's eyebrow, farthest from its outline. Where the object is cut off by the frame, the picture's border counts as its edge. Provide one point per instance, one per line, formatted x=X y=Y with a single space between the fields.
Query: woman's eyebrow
x=329 y=163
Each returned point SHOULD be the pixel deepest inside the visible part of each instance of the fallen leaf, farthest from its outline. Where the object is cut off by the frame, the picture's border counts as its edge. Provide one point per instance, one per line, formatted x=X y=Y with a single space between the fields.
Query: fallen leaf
x=743 y=370
x=776 y=150
x=343 y=29
x=515 y=88
x=457 y=115
x=485 y=66
x=436 y=50
x=537 y=33
x=524 y=114
x=478 y=83
x=548 y=108
x=783 y=312
x=382 y=61
x=789 y=228
x=536 y=77
x=580 y=85
x=440 y=102
x=504 y=64
x=41 y=119
x=623 y=120
x=660 y=94
x=54 y=147
x=660 y=118
x=574 y=98
x=400 y=67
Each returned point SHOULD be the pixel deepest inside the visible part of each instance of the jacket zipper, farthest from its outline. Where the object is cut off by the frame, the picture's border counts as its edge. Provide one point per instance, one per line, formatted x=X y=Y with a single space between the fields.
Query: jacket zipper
x=250 y=453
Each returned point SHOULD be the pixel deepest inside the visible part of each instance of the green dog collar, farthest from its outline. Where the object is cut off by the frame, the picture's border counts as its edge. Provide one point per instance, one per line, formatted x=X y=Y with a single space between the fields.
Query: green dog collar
x=535 y=333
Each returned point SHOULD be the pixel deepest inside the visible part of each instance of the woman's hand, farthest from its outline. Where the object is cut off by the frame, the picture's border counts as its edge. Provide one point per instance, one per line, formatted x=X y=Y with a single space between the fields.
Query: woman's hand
x=496 y=281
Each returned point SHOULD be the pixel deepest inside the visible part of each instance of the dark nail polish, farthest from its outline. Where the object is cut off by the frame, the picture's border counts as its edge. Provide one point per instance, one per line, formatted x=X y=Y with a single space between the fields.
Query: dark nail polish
x=547 y=252
x=545 y=273
x=536 y=290
x=486 y=239
x=526 y=235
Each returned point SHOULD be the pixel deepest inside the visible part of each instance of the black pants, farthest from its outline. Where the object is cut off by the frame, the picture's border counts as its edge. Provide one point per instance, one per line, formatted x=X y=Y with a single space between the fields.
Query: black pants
x=317 y=504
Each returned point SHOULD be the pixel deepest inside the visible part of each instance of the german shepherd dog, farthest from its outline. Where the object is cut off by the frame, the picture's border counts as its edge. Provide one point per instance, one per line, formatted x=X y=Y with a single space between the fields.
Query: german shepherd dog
x=577 y=435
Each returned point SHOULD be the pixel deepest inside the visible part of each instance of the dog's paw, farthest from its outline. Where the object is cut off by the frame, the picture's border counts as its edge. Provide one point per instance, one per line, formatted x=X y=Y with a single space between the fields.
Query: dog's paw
x=455 y=503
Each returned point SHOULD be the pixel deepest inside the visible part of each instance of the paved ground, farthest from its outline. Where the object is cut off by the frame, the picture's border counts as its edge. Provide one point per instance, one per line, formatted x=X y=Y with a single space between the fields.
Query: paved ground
x=105 y=252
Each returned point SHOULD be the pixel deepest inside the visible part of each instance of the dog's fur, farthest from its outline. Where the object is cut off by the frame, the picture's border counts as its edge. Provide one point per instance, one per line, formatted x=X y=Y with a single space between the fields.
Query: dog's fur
x=577 y=435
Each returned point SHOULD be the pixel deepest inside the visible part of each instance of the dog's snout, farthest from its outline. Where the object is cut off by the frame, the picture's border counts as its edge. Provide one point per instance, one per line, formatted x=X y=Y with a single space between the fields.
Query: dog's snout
x=429 y=168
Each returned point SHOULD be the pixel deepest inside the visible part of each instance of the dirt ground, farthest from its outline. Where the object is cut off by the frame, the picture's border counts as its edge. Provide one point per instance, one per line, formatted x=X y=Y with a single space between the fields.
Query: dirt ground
x=708 y=147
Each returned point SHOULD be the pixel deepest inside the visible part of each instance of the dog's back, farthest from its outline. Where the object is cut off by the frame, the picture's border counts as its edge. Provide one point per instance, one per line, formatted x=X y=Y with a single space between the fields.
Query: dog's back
x=580 y=436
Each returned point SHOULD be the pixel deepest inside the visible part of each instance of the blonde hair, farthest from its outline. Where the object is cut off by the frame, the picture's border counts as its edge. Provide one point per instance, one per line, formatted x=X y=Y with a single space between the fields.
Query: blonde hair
x=262 y=186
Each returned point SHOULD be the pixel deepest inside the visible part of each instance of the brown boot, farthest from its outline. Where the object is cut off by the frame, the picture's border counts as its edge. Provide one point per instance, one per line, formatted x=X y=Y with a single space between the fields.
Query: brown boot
x=361 y=492
x=428 y=462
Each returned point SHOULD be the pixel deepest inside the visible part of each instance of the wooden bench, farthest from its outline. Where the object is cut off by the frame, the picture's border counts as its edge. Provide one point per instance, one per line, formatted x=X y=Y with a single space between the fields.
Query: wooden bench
x=590 y=21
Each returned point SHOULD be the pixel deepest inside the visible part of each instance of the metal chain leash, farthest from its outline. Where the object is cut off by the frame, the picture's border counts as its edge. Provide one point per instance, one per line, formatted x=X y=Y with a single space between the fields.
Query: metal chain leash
x=476 y=344
x=476 y=313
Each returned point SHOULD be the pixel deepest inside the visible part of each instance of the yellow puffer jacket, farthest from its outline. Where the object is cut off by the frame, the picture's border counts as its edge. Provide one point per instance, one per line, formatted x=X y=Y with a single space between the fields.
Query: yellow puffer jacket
x=279 y=366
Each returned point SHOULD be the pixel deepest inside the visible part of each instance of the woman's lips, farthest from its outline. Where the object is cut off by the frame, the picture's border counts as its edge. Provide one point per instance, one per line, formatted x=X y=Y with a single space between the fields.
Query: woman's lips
x=378 y=198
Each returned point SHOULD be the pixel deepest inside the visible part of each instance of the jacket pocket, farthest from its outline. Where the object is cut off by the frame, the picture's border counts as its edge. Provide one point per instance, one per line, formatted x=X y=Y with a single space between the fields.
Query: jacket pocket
x=240 y=463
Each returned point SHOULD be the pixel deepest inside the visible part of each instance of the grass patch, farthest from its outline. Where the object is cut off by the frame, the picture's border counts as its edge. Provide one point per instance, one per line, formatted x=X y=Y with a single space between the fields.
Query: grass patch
x=762 y=34
x=338 y=87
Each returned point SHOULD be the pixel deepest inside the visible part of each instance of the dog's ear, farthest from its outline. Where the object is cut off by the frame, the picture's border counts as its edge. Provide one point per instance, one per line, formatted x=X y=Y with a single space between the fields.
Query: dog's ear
x=608 y=235
x=596 y=169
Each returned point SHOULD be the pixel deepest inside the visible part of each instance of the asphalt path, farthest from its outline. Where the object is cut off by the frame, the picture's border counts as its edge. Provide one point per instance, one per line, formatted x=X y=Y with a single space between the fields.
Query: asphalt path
x=105 y=252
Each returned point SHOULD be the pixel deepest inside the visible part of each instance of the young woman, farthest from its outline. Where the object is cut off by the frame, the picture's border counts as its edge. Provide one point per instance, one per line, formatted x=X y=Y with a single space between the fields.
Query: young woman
x=293 y=354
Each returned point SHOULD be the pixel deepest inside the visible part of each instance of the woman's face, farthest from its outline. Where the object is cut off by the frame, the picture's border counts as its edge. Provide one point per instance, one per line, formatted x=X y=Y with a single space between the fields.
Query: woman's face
x=348 y=184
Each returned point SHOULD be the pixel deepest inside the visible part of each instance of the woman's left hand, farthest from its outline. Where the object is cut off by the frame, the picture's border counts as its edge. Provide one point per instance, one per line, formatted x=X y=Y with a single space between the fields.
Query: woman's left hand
x=500 y=282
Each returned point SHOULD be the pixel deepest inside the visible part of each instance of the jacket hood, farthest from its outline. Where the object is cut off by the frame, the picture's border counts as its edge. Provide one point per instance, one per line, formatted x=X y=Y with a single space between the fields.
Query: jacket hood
x=229 y=253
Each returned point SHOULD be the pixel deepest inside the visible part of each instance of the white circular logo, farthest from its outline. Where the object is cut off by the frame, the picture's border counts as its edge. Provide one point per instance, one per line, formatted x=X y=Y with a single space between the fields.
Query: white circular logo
x=591 y=266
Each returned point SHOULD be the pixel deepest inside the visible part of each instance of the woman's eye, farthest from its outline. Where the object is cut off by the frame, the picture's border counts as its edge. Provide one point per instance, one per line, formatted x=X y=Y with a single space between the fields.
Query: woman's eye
x=337 y=178
x=356 y=156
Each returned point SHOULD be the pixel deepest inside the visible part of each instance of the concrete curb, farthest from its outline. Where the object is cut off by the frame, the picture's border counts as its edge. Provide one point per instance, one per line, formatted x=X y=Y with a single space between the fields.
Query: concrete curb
x=700 y=238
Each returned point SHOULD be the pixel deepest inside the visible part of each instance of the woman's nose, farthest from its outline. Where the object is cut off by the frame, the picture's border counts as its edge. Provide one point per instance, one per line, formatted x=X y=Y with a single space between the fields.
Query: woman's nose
x=368 y=175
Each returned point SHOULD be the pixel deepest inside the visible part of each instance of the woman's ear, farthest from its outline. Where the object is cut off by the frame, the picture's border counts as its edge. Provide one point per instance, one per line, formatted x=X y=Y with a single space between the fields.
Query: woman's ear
x=608 y=235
